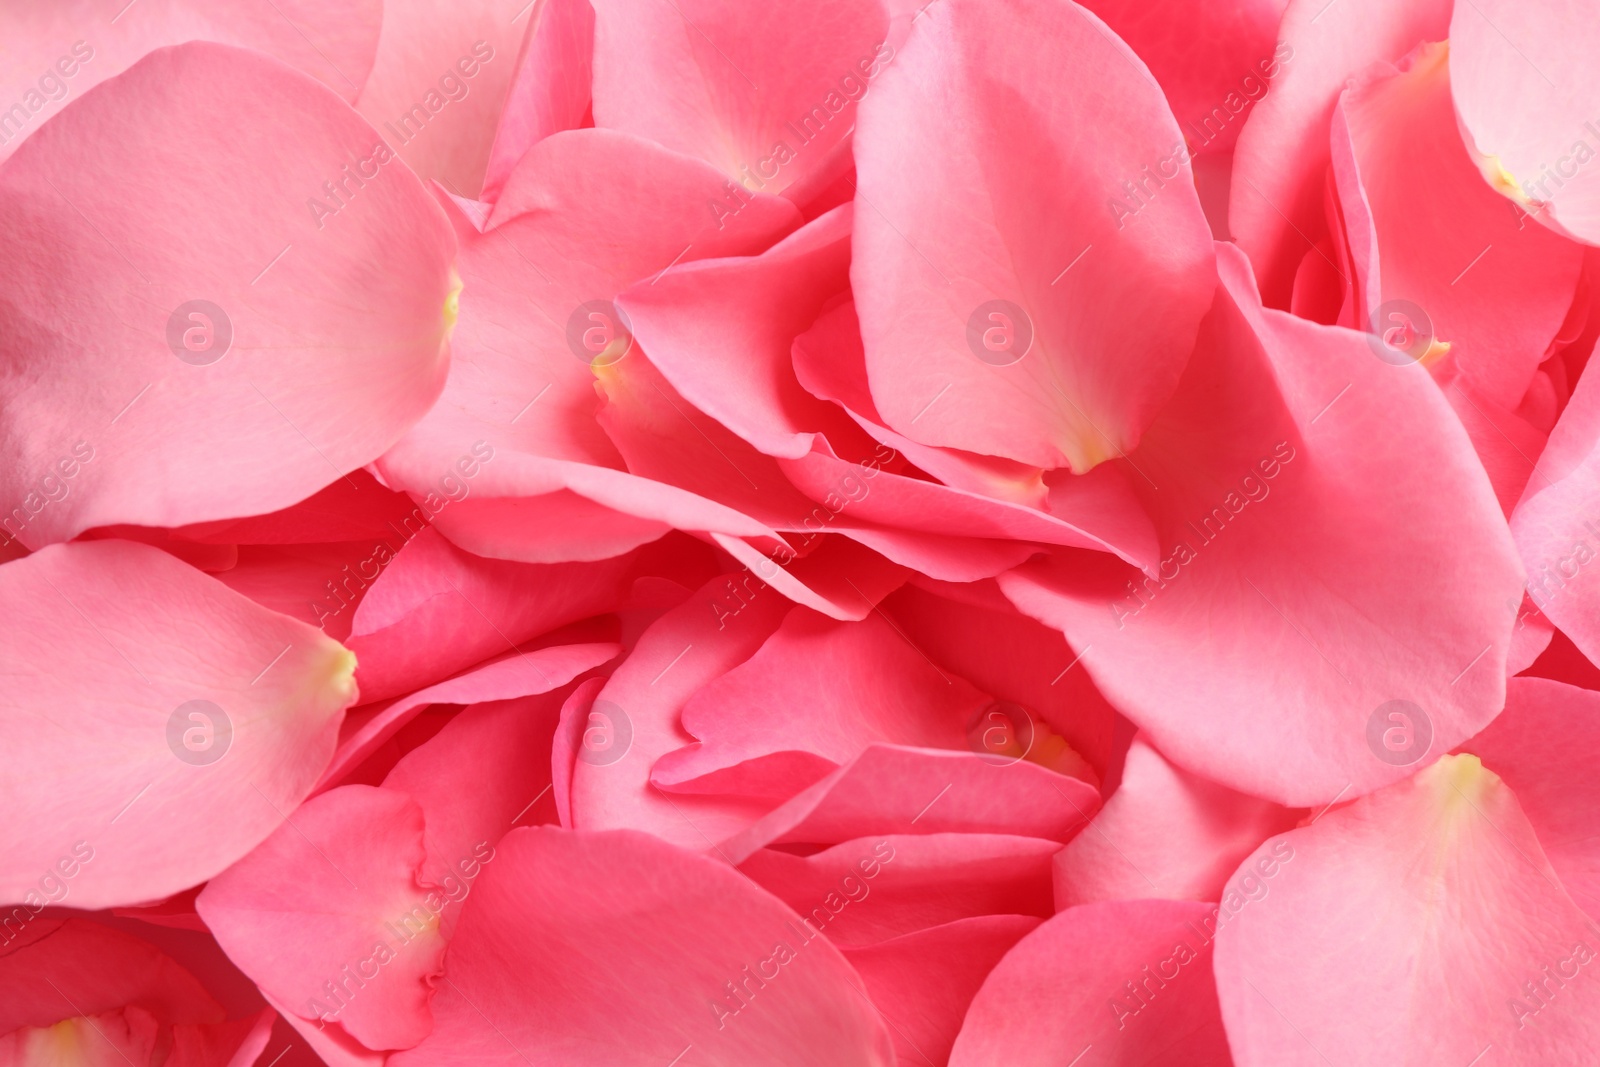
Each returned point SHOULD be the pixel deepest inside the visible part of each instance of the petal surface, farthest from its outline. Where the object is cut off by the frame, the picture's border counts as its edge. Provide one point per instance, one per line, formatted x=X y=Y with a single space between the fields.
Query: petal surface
x=1527 y=99
x=561 y=921
x=178 y=723
x=958 y=267
x=184 y=364
x=1441 y=930
x=1293 y=569
x=1140 y=972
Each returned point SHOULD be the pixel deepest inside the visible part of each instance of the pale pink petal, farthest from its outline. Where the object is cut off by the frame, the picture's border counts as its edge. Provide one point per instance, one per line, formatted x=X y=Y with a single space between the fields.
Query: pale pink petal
x=1165 y=833
x=1275 y=211
x=56 y=52
x=1545 y=746
x=1525 y=93
x=767 y=95
x=563 y=924
x=438 y=83
x=329 y=918
x=1357 y=948
x=1334 y=546
x=550 y=90
x=871 y=890
x=1022 y=85
x=1139 y=972
x=176 y=725
x=183 y=363
x=922 y=983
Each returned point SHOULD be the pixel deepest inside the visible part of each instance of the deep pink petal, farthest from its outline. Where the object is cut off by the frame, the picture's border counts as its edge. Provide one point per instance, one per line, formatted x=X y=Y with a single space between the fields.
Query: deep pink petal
x=1212 y=60
x=810 y=700
x=922 y=983
x=890 y=789
x=550 y=90
x=435 y=609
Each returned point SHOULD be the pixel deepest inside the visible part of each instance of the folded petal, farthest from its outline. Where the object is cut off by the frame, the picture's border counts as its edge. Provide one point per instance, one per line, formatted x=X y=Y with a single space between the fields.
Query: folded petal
x=538 y=290
x=185 y=364
x=1492 y=288
x=550 y=90
x=713 y=966
x=177 y=723
x=811 y=699
x=1333 y=547
x=967 y=276
x=1141 y=987
x=891 y=789
x=1439 y=931
x=515 y=674
x=1275 y=209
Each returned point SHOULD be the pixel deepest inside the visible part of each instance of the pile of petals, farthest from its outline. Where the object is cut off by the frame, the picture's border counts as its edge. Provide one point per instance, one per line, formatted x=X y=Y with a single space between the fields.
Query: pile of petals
x=848 y=533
